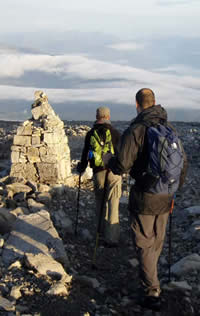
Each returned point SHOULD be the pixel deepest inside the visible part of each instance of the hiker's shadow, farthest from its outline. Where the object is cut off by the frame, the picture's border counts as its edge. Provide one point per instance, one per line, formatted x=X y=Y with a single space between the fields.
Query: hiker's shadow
x=36 y=300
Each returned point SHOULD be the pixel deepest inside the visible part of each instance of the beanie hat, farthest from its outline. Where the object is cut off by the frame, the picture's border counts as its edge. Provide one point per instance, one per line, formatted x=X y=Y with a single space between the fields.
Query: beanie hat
x=102 y=112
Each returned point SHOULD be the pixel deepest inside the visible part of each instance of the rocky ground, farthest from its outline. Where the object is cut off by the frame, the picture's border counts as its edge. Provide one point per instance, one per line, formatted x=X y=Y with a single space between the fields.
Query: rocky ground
x=111 y=287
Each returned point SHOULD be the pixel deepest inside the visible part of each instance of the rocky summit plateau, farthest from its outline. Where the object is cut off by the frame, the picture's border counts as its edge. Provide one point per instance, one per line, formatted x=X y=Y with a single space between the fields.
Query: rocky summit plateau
x=45 y=268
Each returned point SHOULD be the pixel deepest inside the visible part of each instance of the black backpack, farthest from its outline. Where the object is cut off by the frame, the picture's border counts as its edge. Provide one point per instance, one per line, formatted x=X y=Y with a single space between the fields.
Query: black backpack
x=165 y=160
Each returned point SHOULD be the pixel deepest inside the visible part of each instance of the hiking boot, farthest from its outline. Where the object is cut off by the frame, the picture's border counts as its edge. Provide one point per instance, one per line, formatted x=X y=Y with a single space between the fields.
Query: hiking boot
x=154 y=292
x=150 y=302
x=110 y=244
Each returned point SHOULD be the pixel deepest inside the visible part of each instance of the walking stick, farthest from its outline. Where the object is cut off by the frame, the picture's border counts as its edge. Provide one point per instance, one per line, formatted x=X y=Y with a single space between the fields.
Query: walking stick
x=100 y=220
x=77 y=210
x=170 y=240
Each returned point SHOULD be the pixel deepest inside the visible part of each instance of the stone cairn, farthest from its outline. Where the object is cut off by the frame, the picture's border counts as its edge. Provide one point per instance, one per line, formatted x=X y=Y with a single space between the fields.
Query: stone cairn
x=40 y=150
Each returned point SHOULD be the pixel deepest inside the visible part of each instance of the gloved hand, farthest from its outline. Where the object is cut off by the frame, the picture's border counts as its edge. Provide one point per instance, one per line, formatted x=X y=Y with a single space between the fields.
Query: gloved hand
x=80 y=168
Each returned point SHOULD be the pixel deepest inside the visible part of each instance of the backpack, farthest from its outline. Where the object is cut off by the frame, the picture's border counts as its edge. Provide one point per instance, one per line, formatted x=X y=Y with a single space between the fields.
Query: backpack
x=100 y=143
x=165 y=160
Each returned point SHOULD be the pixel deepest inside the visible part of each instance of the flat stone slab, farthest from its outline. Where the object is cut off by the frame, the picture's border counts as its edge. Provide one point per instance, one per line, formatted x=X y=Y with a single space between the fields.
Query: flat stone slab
x=35 y=206
x=181 y=285
x=186 y=265
x=34 y=234
x=193 y=210
x=88 y=280
x=6 y=305
x=46 y=265
x=18 y=187
x=6 y=220
x=58 y=289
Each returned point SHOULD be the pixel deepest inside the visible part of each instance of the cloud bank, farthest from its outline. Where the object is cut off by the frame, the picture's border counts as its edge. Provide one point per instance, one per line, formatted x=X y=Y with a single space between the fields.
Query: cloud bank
x=101 y=81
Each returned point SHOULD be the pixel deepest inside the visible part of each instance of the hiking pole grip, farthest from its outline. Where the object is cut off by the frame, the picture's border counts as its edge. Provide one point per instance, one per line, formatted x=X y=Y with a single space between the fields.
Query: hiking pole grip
x=77 y=209
x=100 y=217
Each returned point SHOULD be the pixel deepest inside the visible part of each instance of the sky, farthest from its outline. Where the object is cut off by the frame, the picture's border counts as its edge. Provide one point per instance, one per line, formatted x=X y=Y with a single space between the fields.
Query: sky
x=92 y=52
x=127 y=17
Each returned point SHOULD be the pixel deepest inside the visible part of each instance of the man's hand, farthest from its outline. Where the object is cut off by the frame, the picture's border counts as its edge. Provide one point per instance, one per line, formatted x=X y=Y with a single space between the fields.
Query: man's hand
x=106 y=157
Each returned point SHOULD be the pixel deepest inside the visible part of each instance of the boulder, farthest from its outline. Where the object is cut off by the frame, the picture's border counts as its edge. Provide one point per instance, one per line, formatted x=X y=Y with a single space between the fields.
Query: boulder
x=6 y=220
x=34 y=234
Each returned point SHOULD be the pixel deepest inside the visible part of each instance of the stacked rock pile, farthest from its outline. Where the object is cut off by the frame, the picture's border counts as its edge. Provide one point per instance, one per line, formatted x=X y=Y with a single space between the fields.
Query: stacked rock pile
x=40 y=150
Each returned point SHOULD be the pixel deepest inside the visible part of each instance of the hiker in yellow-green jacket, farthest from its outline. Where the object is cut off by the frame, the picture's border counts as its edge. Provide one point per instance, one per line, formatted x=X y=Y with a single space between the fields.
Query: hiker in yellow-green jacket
x=103 y=137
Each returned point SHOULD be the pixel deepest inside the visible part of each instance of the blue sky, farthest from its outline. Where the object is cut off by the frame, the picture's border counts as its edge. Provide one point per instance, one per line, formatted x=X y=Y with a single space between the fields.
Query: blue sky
x=98 y=52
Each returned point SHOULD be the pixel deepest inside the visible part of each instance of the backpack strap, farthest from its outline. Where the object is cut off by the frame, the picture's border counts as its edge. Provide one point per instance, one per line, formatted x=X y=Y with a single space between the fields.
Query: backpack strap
x=96 y=135
x=152 y=124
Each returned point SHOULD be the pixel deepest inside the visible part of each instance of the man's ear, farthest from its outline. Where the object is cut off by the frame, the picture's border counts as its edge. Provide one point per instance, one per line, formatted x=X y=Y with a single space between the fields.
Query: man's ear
x=138 y=108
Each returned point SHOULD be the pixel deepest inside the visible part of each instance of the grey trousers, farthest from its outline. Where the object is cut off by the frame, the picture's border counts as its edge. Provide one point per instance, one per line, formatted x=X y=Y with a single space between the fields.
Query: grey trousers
x=148 y=237
x=110 y=227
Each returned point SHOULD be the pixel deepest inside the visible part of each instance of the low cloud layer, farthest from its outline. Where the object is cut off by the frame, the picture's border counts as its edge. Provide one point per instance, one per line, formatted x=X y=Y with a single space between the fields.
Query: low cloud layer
x=104 y=81
x=127 y=46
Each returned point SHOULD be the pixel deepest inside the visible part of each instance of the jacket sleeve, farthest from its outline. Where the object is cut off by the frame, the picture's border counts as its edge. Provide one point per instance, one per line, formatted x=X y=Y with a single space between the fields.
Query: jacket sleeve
x=115 y=139
x=128 y=151
x=84 y=156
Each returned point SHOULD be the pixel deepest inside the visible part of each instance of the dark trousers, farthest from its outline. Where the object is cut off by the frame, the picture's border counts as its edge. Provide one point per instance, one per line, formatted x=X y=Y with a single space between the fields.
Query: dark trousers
x=148 y=236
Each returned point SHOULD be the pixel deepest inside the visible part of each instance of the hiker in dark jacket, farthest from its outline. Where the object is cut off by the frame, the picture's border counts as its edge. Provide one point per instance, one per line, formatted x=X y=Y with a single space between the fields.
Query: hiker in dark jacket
x=149 y=212
x=110 y=228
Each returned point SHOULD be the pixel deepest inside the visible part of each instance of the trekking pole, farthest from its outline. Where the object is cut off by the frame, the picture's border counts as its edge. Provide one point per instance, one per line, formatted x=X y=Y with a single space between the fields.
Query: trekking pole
x=170 y=239
x=78 y=198
x=128 y=187
x=100 y=219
